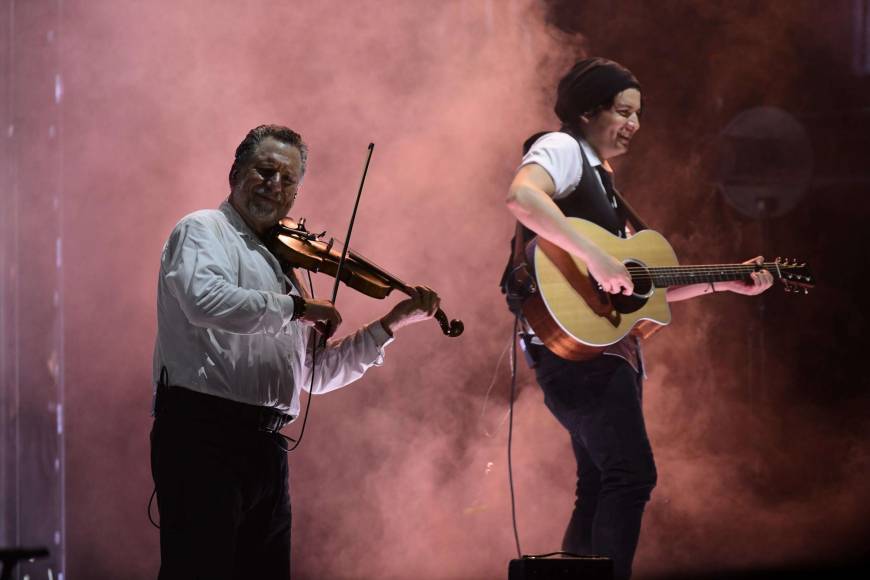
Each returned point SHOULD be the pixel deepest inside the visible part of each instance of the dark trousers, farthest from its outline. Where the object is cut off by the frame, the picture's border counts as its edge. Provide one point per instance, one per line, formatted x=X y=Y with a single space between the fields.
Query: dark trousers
x=599 y=403
x=223 y=497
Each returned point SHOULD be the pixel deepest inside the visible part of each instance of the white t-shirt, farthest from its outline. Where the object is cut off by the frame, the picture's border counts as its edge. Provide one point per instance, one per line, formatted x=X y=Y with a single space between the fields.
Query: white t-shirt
x=559 y=155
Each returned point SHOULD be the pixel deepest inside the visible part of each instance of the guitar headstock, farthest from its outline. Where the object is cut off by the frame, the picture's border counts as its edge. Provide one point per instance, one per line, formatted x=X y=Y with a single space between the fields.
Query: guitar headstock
x=794 y=275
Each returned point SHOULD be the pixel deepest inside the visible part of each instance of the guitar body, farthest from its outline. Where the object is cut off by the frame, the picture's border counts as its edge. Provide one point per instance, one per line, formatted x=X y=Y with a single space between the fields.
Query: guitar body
x=572 y=316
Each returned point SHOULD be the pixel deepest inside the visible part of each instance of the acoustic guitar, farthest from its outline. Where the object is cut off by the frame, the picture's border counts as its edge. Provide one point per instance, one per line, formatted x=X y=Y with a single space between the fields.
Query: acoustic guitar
x=577 y=320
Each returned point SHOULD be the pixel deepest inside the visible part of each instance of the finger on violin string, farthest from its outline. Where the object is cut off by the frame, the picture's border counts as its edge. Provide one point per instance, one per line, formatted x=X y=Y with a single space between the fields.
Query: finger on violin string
x=431 y=304
x=414 y=291
x=425 y=291
x=422 y=295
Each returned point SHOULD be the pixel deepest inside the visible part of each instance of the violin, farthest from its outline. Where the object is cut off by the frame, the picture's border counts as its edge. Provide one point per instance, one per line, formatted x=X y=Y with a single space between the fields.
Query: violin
x=296 y=247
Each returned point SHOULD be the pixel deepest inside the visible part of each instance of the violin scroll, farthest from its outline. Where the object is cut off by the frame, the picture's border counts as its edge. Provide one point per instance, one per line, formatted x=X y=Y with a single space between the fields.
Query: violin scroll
x=453 y=328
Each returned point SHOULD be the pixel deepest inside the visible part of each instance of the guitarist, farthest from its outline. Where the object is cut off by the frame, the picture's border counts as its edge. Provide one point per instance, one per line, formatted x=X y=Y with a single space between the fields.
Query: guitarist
x=566 y=173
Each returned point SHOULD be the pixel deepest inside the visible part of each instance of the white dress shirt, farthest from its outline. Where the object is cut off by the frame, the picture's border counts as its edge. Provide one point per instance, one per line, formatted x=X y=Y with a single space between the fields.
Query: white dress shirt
x=224 y=320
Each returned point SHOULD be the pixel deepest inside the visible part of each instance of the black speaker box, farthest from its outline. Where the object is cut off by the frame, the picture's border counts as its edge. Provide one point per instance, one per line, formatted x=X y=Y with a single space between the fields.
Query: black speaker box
x=564 y=568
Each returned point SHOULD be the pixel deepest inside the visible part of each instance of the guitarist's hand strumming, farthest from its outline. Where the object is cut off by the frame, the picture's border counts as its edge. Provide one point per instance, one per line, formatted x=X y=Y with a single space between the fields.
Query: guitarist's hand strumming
x=610 y=273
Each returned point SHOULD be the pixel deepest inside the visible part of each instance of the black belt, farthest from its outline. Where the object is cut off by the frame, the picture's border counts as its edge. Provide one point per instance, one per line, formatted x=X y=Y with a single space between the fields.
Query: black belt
x=183 y=403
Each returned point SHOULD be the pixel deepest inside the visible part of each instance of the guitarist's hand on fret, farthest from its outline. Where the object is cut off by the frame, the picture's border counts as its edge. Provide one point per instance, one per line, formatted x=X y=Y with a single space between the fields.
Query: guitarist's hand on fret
x=759 y=281
x=610 y=273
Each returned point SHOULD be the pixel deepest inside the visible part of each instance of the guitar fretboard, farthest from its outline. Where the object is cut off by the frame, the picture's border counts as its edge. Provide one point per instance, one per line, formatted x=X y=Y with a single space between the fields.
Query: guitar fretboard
x=683 y=275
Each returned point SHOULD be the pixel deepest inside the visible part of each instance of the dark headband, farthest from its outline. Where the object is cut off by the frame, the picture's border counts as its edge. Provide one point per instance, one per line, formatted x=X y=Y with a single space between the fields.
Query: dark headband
x=590 y=83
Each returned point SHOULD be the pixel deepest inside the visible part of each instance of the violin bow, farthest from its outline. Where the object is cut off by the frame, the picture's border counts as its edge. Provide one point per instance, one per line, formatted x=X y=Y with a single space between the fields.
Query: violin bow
x=346 y=247
x=298 y=440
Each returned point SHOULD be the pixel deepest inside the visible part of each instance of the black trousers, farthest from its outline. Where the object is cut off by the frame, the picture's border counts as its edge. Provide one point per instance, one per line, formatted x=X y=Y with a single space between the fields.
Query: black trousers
x=223 y=497
x=599 y=403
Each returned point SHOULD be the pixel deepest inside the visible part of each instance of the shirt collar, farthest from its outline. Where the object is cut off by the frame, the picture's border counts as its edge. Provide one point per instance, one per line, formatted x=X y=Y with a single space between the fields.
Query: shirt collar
x=244 y=231
x=592 y=156
x=236 y=220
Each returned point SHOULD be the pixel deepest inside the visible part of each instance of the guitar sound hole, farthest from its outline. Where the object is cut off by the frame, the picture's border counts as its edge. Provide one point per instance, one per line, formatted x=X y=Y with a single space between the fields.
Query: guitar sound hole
x=642 y=290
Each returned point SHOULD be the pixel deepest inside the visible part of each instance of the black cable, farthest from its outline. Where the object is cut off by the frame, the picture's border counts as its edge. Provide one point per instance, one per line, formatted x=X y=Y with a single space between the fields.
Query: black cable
x=510 y=435
x=297 y=441
x=162 y=383
x=559 y=553
x=344 y=252
x=150 y=501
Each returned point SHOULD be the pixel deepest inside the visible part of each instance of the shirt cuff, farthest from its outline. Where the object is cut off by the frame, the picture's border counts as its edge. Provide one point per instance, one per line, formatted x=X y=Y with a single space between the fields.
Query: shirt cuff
x=376 y=330
x=298 y=306
x=287 y=308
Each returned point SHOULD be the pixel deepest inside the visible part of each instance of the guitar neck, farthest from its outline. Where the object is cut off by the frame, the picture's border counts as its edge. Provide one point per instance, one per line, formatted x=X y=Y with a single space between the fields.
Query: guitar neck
x=683 y=275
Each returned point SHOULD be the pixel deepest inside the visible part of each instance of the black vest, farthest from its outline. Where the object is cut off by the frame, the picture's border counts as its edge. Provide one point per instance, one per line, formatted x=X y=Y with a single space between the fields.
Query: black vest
x=588 y=201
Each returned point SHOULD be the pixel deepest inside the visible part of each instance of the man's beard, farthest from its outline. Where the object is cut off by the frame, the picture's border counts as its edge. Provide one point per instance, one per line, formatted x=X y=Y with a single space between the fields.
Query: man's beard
x=260 y=209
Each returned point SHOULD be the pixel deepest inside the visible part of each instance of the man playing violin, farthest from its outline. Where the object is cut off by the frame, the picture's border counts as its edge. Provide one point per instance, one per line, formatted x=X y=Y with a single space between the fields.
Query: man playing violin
x=566 y=173
x=233 y=350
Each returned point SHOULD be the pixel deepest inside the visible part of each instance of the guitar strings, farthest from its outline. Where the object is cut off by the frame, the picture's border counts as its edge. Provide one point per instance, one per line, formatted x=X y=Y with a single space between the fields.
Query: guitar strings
x=643 y=273
x=723 y=267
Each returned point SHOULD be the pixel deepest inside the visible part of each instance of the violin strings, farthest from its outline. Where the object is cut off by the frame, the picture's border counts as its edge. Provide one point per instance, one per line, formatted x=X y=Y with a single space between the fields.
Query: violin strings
x=371 y=265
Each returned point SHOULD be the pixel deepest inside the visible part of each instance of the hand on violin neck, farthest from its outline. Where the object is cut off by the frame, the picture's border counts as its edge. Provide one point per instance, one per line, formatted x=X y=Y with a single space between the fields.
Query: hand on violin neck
x=421 y=305
x=322 y=315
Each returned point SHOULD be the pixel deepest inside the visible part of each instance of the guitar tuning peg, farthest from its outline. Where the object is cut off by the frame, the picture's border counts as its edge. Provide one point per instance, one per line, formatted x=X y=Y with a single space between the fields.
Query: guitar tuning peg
x=806 y=290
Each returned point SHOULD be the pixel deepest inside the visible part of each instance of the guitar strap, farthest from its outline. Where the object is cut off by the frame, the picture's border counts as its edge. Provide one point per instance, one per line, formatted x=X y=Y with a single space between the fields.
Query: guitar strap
x=517 y=282
x=631 y=215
